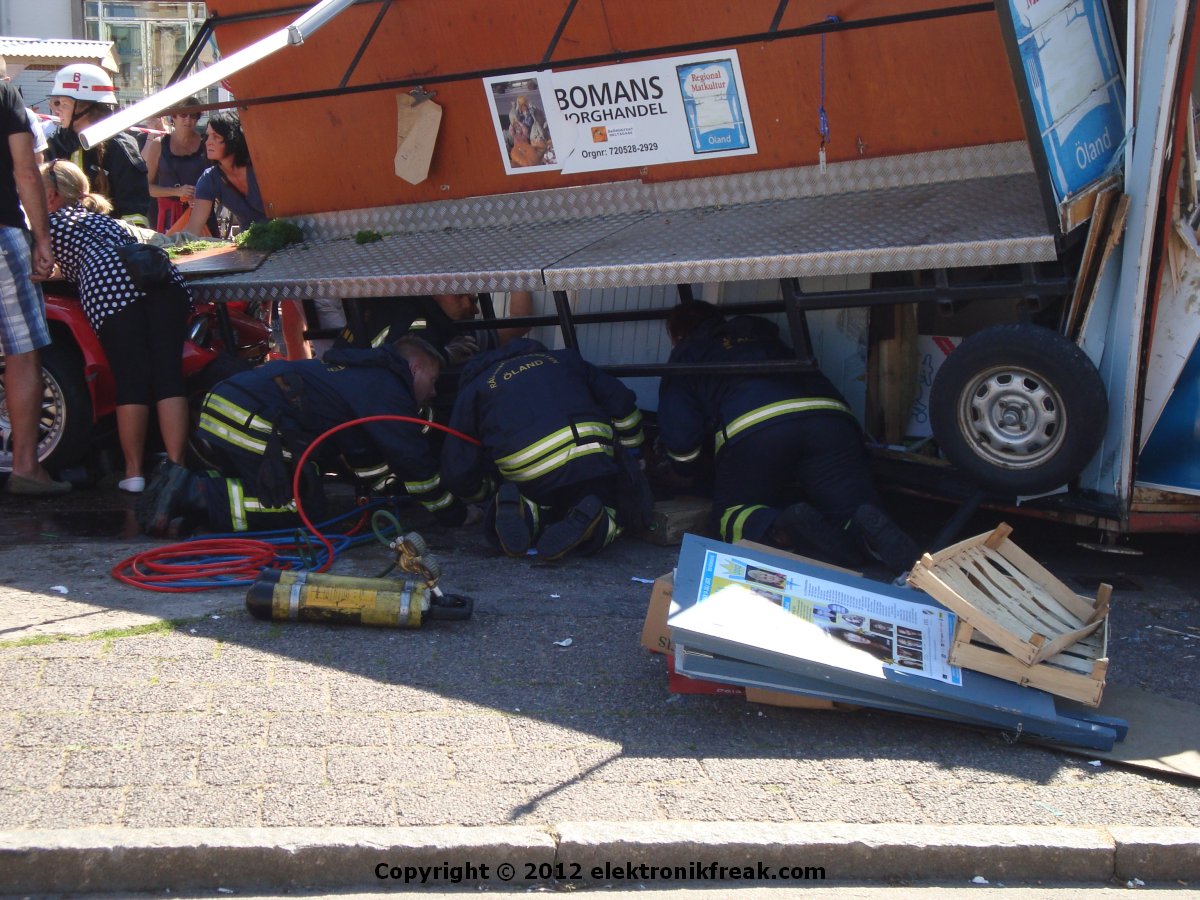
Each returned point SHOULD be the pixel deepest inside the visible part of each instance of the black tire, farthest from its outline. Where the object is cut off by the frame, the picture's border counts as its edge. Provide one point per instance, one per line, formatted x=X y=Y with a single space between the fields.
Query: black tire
x=65 y=431
x=1018 y=408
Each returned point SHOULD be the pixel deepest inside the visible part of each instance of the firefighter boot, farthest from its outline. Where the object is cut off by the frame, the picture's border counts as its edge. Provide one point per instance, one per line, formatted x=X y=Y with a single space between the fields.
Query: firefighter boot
x=512 y=528
x=885 y=540
x=164 y=498
x=574 y=529
x=810 y=532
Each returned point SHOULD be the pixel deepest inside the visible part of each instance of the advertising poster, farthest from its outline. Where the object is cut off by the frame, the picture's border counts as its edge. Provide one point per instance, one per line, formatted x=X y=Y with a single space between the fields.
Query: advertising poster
x=905 y=637
x=613 y=117
x=519 y=117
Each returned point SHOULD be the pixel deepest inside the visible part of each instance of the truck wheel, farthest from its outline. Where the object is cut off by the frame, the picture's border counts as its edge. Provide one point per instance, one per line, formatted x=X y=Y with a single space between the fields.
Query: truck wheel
x=65 y=429
x=1019 y=408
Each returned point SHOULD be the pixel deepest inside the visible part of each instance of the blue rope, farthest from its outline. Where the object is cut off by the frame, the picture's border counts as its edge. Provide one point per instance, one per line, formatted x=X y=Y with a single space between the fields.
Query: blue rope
x=822 y=118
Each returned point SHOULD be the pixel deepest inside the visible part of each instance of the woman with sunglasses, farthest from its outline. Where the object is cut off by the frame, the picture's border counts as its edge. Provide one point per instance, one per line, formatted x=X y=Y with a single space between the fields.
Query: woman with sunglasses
x=174 y=163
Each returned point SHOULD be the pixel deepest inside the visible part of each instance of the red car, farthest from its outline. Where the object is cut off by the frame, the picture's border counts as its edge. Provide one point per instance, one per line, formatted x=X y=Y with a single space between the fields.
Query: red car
x=78 y=389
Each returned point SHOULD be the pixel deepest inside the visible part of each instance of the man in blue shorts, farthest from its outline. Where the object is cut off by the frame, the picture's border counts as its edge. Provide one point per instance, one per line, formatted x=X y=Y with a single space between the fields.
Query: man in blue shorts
x=23 y=328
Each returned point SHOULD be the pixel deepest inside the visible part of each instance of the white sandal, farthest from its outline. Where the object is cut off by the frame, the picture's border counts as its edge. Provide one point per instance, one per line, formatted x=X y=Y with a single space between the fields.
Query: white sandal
x=134 y=485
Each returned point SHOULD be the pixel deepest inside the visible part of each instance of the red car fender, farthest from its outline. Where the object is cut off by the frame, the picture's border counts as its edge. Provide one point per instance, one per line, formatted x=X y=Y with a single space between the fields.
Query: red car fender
x=64 y=311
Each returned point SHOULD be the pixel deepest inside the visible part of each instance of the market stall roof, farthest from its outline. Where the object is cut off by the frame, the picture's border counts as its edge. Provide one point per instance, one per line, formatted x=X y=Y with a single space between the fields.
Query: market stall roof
x=971 y=207
x=55 y=53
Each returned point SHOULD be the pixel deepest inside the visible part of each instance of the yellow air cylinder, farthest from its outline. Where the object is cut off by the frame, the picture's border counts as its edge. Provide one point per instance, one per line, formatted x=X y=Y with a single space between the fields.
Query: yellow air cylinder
x=285 y=596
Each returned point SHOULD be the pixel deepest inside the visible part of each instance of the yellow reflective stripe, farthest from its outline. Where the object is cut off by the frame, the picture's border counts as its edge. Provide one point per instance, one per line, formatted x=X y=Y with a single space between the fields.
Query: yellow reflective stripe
x=771 y=410
x=635 y=441
x=552 y=442
x=550 y=463
x=733 y=533
x=237 y=508
x=219 y=429
x=372 y=472
x=253 y=504
x=243 y=417
x=612 y=529
x=423 y=487
x=629 y=422
x=377 y=341
x=440 y=503
x=685 y=457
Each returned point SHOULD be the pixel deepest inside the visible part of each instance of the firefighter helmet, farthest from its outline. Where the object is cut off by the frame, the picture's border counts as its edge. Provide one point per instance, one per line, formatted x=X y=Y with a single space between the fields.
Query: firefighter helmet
x=84 y=81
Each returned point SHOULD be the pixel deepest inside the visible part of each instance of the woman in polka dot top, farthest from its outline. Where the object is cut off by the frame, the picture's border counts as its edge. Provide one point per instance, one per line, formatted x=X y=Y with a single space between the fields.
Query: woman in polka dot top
x=142 y=335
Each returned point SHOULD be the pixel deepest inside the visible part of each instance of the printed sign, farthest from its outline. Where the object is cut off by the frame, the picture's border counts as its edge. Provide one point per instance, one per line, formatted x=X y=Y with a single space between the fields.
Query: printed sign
x=1074 y=78
x=886 y=632
x=615 y=117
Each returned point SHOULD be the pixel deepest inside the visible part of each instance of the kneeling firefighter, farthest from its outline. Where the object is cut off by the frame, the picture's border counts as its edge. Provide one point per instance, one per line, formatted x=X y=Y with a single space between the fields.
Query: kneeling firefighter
x=255 y=425
x=560 y=437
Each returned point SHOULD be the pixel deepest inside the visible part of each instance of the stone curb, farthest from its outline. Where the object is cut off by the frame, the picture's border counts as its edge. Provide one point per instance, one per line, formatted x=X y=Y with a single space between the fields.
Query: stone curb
x=181 y=859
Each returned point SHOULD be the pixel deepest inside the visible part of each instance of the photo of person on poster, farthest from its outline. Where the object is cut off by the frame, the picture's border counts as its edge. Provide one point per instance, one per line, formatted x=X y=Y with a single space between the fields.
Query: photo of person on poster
x=521 y=124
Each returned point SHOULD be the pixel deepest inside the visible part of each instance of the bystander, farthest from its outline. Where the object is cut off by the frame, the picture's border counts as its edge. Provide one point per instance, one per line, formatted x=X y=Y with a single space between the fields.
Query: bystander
x=23 y=328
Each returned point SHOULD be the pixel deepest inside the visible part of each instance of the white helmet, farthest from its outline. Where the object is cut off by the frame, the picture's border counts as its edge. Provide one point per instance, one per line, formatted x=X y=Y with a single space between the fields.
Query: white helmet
x=84 y=81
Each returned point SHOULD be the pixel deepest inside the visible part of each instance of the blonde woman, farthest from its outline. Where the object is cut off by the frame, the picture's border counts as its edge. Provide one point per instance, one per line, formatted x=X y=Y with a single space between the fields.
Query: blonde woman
x=142 y=335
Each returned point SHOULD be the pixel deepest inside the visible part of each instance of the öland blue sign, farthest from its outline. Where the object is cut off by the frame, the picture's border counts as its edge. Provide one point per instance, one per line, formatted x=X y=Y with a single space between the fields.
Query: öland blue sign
x=1073 y=72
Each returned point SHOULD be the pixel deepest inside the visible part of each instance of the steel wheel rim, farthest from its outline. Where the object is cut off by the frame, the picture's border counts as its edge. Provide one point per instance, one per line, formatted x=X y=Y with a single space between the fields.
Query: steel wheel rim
x=51 y=421
x=1012 y=417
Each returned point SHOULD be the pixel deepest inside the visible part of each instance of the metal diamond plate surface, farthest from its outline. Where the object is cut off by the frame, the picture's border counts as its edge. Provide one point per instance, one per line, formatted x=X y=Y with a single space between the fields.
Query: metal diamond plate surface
x=439 y=262
x=926 y=210
x=482 y=212
x=846 y=177
x=983 y=221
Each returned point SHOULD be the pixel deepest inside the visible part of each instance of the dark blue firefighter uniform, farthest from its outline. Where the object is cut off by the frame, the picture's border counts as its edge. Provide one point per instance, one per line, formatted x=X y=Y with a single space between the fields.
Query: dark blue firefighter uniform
x=258 y=422
x=548 y=423
x=768 y=431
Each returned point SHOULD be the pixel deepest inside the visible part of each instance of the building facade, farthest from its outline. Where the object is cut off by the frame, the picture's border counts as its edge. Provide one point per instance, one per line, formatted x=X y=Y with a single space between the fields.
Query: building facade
x=148 y=38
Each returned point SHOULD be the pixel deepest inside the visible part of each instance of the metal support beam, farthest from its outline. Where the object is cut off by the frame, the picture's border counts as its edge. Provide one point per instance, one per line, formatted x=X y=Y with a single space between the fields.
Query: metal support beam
x=797 y=322
x=565 y=323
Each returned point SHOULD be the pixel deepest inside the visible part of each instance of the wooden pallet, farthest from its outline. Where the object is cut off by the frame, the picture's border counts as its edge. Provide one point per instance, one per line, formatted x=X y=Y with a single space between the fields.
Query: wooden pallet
x=1009 y=596
x=1077 y=673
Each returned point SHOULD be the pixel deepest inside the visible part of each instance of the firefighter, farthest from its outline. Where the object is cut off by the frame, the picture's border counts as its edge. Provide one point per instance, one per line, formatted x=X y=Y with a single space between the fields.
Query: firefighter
x=435 y=319
x=254 y=426
x=770 y=432
x=82 y=95
x=557 y=436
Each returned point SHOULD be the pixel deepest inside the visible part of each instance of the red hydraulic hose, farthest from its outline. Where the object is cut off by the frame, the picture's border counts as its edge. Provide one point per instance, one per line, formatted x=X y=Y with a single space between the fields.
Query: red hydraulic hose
x=334 y=430
x=157 y=569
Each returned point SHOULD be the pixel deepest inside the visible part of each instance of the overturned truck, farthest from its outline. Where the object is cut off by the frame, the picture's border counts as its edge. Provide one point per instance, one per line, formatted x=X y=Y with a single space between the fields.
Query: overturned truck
x=979 y=219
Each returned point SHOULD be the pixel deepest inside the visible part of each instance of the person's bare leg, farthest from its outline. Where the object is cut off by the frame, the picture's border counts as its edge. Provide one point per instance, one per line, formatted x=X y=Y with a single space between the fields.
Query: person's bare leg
x=293 y=325
x=23 y=389
x=173 y=423
x=132 y=421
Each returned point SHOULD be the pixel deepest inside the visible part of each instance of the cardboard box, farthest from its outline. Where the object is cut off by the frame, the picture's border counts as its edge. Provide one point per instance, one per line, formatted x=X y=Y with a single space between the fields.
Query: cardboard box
x=656 y=637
